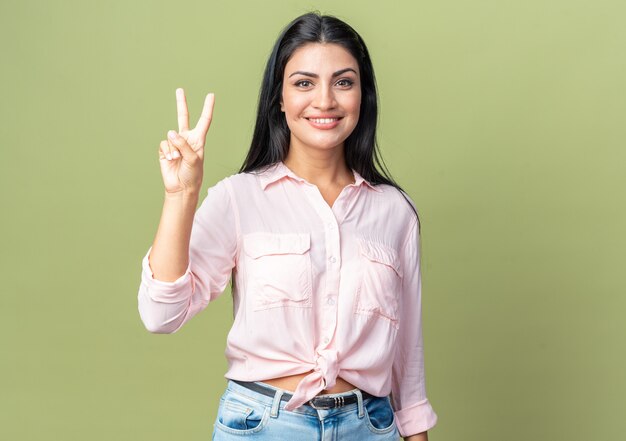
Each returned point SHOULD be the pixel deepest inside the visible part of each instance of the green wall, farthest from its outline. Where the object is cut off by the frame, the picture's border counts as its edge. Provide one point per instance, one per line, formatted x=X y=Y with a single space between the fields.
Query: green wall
x=504 y=121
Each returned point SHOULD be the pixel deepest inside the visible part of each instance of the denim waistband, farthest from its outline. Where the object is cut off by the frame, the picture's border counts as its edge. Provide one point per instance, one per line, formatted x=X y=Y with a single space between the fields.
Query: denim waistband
x=276 y=403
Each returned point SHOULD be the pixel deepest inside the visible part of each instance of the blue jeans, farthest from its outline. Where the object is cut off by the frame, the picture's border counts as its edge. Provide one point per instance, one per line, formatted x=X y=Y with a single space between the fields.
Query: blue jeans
x=246 y=413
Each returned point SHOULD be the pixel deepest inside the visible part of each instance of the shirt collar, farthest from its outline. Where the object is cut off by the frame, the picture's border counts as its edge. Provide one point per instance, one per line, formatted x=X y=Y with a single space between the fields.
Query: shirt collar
x=279 y=170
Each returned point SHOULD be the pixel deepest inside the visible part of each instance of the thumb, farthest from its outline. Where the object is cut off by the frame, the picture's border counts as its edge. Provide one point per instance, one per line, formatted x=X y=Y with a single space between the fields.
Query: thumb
x=181 y=144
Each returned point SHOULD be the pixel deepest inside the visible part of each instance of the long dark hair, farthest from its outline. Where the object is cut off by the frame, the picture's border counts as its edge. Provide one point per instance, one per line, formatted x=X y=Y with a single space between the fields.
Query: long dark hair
x=270 y=141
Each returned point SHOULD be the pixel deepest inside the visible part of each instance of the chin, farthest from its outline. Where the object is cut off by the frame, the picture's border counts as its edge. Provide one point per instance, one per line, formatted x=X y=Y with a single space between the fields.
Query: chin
x=326 y=145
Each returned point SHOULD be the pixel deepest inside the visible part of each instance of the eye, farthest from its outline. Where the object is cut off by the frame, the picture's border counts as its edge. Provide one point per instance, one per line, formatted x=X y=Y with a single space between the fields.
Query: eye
x=303 y=83
x=345 y=82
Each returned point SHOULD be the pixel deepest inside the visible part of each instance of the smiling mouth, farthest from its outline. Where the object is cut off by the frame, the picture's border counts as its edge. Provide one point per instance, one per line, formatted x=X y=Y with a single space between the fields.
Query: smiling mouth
x=323 y=120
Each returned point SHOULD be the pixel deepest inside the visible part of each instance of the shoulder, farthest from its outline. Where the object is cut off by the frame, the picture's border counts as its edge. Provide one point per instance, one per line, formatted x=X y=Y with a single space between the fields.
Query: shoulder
x=233 y=182
x=397 y=202
x=242 y=180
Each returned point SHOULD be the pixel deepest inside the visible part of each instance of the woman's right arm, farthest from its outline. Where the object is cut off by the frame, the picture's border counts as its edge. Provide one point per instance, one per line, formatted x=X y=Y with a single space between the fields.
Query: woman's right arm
x=190 y=261
x=169 y=255
x=204 y=262
x=181 y=157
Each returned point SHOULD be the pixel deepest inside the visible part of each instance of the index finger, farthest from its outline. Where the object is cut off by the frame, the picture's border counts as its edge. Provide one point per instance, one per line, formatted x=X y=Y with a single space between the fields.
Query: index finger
x=183 y=113
x=207 y=115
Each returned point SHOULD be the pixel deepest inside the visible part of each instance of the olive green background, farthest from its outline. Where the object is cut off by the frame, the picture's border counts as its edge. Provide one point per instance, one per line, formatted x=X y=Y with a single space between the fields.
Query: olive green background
x=505 y=122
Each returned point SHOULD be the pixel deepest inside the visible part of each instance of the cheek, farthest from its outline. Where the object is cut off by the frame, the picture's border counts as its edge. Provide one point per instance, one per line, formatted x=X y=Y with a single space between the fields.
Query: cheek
x=357 y=109
x=293 y=104
x=354 y=106
x=353 y=102
x=357 y=104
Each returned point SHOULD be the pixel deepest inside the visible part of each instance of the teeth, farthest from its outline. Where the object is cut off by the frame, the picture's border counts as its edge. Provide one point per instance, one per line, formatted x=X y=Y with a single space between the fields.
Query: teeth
x=323 y=120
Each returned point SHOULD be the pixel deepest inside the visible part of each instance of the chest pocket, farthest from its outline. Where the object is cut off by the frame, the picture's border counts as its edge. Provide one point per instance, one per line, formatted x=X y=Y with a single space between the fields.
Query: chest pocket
x=279 y=269
x=380 y=284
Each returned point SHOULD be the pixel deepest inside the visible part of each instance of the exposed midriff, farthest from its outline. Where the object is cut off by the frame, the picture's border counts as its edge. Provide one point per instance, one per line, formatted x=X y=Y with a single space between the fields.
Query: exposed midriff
x=290 y=383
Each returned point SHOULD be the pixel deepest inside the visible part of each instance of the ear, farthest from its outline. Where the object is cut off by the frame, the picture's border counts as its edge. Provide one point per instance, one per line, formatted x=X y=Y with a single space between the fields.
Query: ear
x=282 y=106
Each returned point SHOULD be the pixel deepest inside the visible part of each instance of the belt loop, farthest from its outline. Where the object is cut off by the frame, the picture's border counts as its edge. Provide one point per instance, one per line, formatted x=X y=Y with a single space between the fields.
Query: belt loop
x=276 y=403
x=359 y=399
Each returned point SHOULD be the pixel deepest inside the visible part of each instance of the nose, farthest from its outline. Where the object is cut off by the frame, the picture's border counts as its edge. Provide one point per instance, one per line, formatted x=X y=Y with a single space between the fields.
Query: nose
x=325 y=98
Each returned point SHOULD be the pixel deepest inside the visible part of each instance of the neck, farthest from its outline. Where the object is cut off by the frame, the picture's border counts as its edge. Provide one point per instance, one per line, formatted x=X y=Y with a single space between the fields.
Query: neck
x=327 y=171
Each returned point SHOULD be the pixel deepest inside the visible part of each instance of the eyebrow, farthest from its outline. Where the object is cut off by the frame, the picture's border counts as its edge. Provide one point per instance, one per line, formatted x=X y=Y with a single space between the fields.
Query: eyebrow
x=313 y=75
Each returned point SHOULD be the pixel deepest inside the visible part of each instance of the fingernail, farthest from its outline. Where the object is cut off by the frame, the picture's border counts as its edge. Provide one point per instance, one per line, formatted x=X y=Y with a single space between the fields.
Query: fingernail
x=168 y=156
x=171 y=134
x=175 y=154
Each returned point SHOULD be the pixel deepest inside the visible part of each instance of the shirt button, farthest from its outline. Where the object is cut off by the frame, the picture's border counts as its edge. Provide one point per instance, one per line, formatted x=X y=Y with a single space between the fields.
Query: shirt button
x=332 y=259
x=326 y=340
x=331 y=301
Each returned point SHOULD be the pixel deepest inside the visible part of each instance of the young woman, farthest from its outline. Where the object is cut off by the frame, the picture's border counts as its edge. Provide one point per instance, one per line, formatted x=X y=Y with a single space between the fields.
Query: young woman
x=323 y=252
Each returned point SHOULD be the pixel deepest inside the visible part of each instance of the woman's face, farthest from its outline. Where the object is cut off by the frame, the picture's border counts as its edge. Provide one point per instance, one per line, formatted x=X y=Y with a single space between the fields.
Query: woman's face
x=321 y=96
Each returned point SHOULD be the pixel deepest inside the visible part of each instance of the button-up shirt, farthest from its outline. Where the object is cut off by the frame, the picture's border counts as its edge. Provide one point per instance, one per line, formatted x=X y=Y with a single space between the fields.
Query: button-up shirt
x=330 y=290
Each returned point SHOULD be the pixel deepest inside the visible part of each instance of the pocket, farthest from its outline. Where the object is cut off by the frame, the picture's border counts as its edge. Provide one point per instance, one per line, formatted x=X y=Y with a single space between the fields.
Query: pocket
x=240 y=415
x=380 y=283
x=379 y=414
x=278 y=269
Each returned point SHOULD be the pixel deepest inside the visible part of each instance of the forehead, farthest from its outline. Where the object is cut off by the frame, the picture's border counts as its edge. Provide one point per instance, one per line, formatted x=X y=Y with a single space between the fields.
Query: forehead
x=320 y=58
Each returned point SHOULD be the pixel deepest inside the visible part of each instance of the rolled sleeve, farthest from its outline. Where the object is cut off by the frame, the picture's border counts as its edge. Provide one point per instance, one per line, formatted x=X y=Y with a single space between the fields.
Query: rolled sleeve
x=164 y=307
x=165 y=292
x=413 y=411
x=416 y=419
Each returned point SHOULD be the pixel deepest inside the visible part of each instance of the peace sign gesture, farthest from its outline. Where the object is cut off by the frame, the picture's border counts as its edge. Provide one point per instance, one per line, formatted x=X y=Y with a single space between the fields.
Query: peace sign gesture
x=181 y=155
